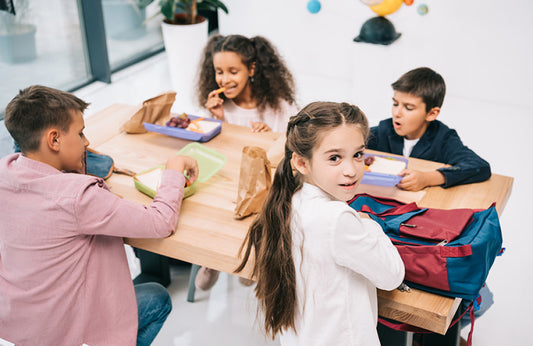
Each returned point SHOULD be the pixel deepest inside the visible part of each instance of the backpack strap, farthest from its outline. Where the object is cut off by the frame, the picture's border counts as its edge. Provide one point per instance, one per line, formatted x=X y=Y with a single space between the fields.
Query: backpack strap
x=123 y=171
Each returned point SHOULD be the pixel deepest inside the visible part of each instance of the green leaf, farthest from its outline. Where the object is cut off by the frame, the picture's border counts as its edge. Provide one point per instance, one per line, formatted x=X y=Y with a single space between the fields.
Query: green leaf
x=212 y=5
x=181 y=6
x=143 y=3
x=167 y=9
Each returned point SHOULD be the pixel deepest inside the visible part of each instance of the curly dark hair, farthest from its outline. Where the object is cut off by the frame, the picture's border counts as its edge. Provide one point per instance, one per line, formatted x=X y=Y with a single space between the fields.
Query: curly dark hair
x=273 y=81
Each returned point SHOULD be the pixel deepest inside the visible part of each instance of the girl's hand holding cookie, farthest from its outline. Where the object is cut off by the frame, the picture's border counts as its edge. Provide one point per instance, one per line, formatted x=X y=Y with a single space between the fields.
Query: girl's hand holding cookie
x=214 y=104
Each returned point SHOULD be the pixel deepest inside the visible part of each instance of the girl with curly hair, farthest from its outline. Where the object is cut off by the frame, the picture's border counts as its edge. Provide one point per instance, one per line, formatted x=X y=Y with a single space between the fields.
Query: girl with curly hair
x=244 y=81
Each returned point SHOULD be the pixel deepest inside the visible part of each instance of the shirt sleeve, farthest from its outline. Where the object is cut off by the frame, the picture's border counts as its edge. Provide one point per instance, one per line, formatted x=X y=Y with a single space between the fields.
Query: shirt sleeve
x=466 y=166
x=360 y=245
x=281 y=117
x=99 y=211
x=373 y=139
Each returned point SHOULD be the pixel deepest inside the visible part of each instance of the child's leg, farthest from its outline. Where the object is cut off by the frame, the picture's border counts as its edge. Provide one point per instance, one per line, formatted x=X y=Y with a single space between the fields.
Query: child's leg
x=206 y=278
x=246 y=282
x=154 y=305
x=487 y=300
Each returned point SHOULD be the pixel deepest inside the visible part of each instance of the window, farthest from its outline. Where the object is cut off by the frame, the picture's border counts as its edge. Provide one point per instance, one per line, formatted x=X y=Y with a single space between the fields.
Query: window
x=67 y=44
x=41 y=44
x=131 y=30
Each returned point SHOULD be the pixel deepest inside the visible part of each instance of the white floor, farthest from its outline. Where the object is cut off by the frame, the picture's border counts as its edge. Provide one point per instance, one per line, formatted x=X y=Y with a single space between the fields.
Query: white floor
x=226 y=314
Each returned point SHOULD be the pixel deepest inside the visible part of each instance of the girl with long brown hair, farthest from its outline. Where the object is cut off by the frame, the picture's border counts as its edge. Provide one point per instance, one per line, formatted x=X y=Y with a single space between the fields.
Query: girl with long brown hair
x=317 y=262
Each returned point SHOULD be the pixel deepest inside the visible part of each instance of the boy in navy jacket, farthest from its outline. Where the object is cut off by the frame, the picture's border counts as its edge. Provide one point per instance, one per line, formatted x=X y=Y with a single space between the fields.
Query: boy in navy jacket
x=414 y=131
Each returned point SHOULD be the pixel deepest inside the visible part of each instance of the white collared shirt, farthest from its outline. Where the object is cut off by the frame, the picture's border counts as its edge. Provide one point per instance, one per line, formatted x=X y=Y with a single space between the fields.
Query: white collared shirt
x=340 y=259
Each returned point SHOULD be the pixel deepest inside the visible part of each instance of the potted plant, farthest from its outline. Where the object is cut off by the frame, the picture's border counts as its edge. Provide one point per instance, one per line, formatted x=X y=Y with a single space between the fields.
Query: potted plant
x=186 y=11
x=17 y=36
x=125 y=19
x=185 y=35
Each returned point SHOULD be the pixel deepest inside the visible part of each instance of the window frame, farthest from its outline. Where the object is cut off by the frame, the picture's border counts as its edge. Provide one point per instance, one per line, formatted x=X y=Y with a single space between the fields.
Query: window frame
x=97 y=56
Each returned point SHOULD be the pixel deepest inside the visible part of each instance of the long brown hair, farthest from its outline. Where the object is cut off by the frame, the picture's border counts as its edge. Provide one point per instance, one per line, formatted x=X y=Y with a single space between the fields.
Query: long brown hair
x=273 y=81
x=270 y=234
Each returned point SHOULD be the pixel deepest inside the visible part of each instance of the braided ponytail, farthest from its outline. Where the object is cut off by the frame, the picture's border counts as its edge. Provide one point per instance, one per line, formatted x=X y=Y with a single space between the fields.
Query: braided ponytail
x=270 y=234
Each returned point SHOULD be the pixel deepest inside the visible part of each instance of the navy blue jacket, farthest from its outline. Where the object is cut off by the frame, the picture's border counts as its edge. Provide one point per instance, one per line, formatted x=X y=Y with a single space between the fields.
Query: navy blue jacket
x=439 y=143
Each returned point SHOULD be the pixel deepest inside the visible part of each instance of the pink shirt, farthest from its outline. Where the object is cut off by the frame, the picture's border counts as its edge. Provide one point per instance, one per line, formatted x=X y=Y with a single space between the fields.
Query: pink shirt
x=64 y=277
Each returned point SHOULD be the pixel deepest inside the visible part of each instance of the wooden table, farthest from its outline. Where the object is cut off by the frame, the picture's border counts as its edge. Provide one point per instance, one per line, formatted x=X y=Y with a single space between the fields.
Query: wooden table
x=207 y=233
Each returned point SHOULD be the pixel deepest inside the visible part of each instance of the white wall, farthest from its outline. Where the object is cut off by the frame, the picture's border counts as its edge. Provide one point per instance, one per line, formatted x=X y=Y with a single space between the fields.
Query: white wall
x=482 y=48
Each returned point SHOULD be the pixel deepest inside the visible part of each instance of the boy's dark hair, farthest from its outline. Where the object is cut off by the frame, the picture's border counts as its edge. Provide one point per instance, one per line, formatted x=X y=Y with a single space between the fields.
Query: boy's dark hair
x=272 y=80
x=424 y=83
x=36 y=109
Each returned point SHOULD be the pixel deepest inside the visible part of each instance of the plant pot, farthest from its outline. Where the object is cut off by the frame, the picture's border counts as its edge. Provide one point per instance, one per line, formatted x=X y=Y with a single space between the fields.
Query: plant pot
x=184 y=45
x=123 y=20
x=18 y=44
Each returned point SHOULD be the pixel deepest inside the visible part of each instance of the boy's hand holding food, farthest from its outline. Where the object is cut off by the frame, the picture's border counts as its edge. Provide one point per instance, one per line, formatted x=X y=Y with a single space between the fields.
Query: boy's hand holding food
x=183 y=163
x=416 y=180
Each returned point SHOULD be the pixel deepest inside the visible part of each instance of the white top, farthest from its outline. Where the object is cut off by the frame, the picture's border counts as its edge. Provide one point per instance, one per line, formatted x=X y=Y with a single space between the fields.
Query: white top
x=345 y=257
x=408 y=145
x=277 y=121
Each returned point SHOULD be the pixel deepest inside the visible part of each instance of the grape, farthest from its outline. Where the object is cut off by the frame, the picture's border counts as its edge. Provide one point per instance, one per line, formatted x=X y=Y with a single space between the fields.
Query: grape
x=369 y=160
x=181 y=121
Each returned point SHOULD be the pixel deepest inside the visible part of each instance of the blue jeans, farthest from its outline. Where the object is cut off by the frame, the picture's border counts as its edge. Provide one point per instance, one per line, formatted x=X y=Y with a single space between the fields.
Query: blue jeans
x=487 y=299
x=154 y=305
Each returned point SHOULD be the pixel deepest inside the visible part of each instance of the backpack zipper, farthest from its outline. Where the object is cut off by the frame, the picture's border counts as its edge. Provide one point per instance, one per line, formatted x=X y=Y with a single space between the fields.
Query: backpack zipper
x=405 y=241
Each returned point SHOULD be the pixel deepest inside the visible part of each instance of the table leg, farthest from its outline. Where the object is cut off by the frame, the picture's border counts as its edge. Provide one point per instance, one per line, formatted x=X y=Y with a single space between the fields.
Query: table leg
x=154 y=268
x=391 y=337
x=451 y=338
x=192 y=285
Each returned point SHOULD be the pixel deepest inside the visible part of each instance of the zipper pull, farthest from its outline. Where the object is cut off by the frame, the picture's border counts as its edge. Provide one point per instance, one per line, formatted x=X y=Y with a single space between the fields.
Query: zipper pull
x=442 y=243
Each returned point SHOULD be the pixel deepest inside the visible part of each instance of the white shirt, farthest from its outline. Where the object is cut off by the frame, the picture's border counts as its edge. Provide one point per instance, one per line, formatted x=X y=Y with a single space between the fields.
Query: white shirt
x=408 y=145
x=277 y=121
x=345 y=257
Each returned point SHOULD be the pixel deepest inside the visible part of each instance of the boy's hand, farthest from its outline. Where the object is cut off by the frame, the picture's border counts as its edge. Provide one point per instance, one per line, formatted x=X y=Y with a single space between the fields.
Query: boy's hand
x=259 y=127
x=182 y=163
x=416 y=180
x=214 y=105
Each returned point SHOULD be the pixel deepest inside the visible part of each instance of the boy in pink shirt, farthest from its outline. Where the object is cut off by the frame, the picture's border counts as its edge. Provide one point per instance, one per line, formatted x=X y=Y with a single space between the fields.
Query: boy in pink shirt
x=64 y=277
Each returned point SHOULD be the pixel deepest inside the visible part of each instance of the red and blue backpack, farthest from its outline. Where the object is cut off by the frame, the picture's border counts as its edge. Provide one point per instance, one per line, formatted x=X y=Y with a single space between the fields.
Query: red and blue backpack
x=449 y=252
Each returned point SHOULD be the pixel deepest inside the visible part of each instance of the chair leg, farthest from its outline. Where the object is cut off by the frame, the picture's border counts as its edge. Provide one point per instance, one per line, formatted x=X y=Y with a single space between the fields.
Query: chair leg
x=192 y=279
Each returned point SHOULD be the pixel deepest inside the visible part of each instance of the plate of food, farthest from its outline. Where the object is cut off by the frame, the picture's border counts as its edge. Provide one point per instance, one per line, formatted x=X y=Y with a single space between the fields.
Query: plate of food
x=383 y=170
x=187 y=126
x=148 y=182
x=209 y=162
